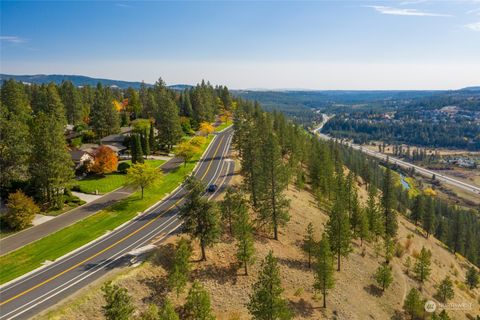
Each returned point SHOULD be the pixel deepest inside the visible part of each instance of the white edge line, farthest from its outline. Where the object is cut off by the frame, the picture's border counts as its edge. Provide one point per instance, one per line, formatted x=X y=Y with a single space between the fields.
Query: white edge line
x=18 y=279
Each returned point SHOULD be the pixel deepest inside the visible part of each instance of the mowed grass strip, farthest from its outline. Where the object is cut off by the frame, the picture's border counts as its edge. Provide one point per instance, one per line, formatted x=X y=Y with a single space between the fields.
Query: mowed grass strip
x=55 y=245
x=110 y=181
x=223 y=126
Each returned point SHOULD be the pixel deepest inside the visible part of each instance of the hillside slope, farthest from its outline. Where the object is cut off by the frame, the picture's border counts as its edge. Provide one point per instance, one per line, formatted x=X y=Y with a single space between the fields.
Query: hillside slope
x=355 y=295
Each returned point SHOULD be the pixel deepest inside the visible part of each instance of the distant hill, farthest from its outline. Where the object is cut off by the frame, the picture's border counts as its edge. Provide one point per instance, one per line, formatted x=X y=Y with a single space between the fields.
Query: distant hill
x=80 y=80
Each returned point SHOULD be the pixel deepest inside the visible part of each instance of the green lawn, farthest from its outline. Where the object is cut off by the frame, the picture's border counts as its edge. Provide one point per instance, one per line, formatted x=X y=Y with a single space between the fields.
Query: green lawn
x=30 y=257
x=223 y=125
x=110 y=181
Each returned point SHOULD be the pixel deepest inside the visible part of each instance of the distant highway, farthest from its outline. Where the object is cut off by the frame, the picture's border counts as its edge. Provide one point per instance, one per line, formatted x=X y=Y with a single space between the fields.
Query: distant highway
x=406 y=165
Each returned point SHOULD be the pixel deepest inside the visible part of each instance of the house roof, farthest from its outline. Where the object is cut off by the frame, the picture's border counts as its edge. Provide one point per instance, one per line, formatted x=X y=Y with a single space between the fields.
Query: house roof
x=78 y=154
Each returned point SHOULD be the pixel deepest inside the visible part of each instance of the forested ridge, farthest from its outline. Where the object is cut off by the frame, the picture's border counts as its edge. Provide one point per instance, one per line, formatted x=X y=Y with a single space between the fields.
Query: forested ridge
x=302 y=158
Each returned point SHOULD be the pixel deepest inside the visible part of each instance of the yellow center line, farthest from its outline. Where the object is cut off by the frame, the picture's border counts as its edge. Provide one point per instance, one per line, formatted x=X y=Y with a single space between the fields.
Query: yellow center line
x=110 y=246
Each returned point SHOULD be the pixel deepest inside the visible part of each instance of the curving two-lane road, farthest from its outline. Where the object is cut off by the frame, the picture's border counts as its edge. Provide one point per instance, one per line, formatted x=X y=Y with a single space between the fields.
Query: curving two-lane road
x=41 y=289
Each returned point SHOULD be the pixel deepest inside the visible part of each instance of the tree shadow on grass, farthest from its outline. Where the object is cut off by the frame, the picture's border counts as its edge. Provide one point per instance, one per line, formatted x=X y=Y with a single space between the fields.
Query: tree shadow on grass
x=373 y=290
x=158 y=287
x=221 y=274
x=293 y=263
x=302 y=308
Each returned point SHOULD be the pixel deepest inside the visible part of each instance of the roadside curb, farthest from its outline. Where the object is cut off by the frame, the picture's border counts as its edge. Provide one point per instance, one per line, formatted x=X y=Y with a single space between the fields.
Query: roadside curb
x=108 y=232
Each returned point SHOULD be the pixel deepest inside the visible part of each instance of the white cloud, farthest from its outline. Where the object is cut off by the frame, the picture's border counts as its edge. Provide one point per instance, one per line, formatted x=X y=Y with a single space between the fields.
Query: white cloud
x=473 y=26
x=406 y=12
x=13 y=39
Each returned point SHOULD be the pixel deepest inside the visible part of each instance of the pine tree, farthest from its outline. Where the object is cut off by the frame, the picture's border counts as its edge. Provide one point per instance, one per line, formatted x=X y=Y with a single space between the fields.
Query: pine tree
x=422 y=266
x=429 y=217
x=363 y=227
x=445 y=289
x=232 y=203
x=373 y=213
x=413 y=305
x=51 y=167
x=243 y=231
x=197 y=306
x=72 y=101
x=167 y=312
x=338 y=226
x=152 y=313
x=272 y=202
x=472 y=277
x=104 y=117
x=136 y=149
x=418 y=209
x=119 y=305
x=389 y=214
x=180 y=270
x=15 y=145
x=167 y=121
x=309 y=243
x=145 y=144
x=151 y=139
x=324 y=279
x=441 y=316
x=200 y=216
x=383 y=276
x=266 y=302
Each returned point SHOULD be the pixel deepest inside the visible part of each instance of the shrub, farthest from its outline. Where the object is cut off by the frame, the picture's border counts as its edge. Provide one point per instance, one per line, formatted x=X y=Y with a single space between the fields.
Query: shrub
x=399 y=250
x=123 y=167
x=21 y=211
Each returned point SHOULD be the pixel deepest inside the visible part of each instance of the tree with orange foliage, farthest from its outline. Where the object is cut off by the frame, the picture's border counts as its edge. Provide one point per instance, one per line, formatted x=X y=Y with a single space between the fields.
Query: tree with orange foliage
x=206 y=128
x=106 y=161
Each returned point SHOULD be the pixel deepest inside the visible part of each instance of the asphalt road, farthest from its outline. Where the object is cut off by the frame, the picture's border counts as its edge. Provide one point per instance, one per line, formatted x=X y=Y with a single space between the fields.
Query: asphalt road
x=406 y=165
x=27 y=296
x=24 y=237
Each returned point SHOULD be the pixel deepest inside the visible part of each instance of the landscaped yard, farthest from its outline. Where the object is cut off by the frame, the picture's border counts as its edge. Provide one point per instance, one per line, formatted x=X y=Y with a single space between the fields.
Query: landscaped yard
x=57 y=244
x=110 y=181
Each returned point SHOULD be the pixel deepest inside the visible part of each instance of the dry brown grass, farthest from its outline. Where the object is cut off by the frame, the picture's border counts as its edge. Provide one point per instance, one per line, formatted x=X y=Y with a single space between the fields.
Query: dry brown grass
x=355 y=295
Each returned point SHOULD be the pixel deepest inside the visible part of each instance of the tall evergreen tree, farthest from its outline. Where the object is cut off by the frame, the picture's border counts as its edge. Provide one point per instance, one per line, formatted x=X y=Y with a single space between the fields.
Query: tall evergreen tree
x=390 y=218
x=383 y=276
x=338 y=226
x=472 y=277
x=243 y=231
x=72 y=100
x=272 y=202
x=198 y=306
x=418 y=209
x=266 y=302
x=104 y=118
x=200 y=216
x=119 y=305
x=429 y=217
x=445 y=289
x=309 y=243
x=180 y=271
x=51 y=167
x=413 y=304
x=422 y=266
x=324 y=279
x=151 y=139
x=15 y=146
x=373 y=213
x=167 y=120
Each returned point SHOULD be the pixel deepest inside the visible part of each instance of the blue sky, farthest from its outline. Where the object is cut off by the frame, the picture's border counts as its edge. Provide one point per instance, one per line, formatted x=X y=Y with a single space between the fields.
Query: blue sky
x=404 y=44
